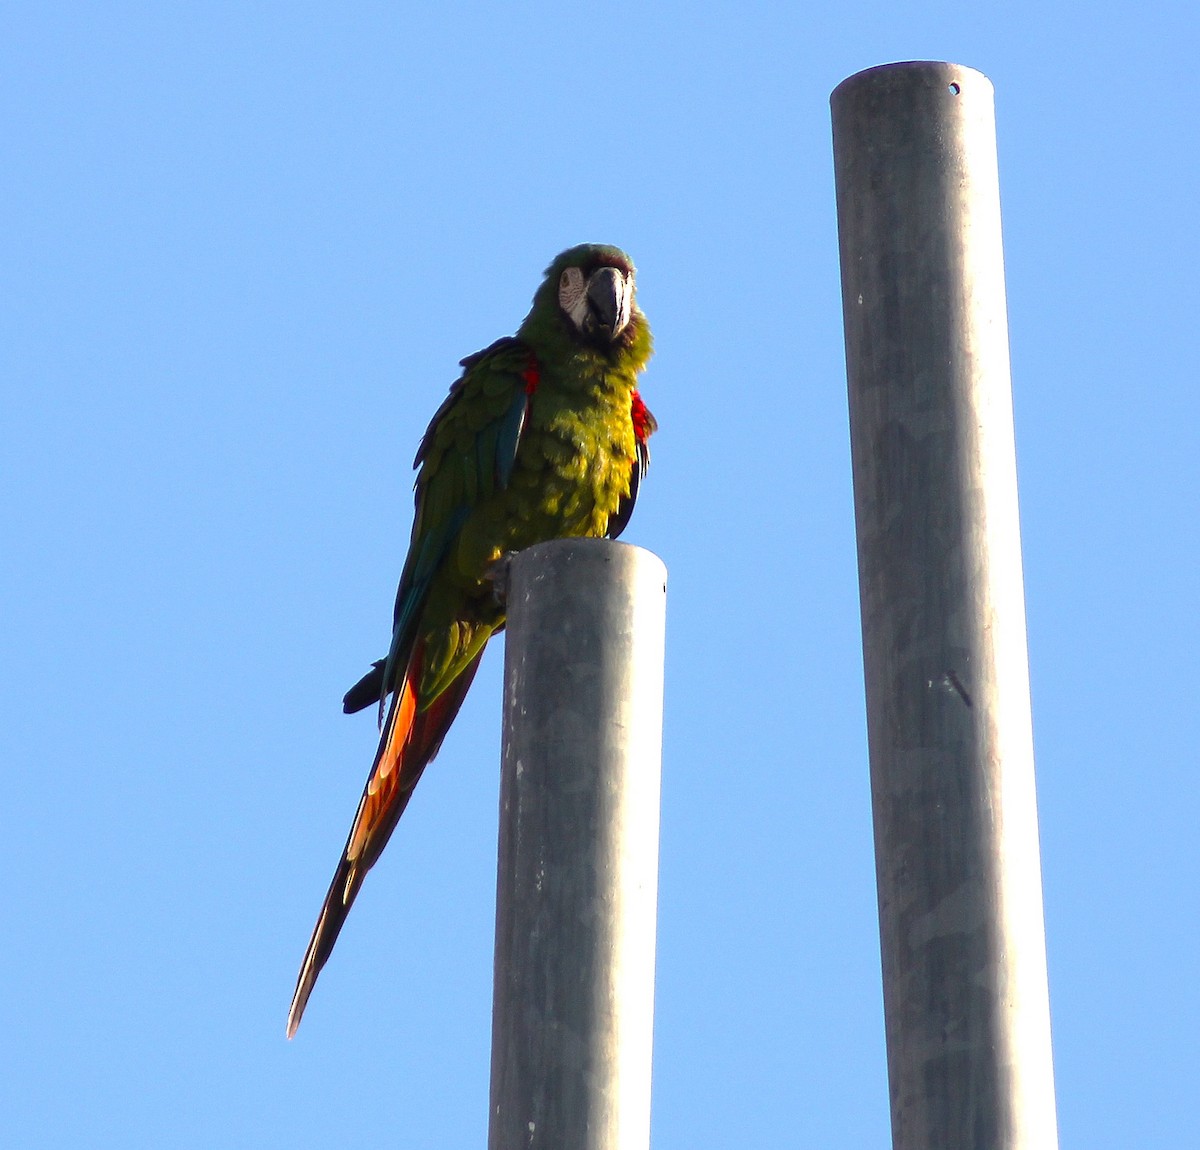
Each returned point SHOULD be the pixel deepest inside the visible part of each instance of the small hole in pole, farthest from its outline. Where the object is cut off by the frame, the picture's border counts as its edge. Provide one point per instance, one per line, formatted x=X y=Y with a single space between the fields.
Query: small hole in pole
x=954 y=89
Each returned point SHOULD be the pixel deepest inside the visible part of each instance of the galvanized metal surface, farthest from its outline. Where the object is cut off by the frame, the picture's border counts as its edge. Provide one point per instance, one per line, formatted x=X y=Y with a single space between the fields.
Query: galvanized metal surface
x=578 y=869
x=959 y=880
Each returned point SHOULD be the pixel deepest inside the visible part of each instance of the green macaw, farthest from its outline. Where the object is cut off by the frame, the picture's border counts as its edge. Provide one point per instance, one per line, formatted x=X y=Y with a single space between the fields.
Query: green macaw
x=543 y=436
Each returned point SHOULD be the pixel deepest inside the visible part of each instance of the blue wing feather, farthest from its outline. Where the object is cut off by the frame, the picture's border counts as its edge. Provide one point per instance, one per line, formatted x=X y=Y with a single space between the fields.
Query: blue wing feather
x=508 y=437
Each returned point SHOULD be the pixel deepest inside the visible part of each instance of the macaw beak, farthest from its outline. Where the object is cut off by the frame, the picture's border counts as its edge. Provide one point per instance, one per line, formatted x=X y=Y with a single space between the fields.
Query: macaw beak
x=610 y=300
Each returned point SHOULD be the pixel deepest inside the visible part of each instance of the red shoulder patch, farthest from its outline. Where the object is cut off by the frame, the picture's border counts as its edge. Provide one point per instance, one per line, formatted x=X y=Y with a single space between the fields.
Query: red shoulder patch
x=531 y=375
x=644 y=424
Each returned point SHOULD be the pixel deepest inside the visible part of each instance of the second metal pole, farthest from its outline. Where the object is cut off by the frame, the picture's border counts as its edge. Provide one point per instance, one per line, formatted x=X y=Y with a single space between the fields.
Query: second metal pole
x=572 y=1022
x=935 y=494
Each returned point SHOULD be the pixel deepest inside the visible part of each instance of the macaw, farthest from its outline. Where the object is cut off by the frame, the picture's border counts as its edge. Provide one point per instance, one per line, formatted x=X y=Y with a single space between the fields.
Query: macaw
x=543 y=436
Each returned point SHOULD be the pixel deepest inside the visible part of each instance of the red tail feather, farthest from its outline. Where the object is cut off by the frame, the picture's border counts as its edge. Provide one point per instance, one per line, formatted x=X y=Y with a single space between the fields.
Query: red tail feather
x=410 y=740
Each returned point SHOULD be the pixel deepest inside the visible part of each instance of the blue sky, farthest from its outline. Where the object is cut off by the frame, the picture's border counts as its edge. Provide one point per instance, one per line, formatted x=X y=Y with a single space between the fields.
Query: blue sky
x=244 y=247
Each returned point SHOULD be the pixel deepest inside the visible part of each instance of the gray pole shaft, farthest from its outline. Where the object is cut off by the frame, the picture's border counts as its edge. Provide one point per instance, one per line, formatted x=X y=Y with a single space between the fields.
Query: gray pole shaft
x=572 y=1021
x=935 y=494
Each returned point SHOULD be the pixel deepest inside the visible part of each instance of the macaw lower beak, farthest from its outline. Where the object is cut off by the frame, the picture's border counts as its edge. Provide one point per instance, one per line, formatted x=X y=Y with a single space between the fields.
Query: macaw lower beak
x=610 y=300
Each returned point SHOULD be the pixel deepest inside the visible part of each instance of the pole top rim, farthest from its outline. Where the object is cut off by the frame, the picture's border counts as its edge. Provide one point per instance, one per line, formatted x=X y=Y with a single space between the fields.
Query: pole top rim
x=907 y=74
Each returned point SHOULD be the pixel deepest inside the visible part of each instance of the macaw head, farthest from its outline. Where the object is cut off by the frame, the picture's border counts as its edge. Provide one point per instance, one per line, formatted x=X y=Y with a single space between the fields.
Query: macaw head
x=589 y=291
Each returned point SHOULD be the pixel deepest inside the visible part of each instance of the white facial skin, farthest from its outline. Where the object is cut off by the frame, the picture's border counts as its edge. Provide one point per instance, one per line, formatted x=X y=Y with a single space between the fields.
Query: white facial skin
x=572 y=296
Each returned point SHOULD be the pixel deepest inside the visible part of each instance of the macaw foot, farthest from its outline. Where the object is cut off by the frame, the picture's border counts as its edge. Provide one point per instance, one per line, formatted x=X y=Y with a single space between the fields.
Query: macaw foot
x=497 y=575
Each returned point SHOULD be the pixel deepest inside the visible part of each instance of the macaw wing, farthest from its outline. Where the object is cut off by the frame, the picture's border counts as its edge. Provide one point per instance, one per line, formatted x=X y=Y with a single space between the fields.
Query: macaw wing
x=466 y=455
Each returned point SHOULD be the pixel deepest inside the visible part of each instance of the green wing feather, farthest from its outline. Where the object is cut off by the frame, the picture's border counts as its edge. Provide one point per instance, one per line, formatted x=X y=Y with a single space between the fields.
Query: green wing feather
x=466 y=455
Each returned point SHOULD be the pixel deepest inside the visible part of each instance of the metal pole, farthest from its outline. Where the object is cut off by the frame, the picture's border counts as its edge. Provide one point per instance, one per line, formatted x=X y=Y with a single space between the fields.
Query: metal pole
x=572 y=1021
x=935 y=493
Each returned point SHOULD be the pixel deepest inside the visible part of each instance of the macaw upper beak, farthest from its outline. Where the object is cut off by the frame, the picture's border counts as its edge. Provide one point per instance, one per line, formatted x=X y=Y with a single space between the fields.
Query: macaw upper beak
x=610 y=300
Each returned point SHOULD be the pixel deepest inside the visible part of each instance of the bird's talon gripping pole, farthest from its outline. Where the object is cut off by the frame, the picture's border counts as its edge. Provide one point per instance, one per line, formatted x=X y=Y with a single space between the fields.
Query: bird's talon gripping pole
x=497 y=575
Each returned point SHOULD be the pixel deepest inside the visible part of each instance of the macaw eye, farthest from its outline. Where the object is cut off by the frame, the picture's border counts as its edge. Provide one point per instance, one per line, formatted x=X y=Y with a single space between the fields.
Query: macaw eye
x=572 y=293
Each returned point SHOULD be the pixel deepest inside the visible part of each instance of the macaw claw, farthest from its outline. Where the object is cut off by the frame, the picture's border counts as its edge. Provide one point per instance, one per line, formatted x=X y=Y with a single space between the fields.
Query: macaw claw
x=497 y=575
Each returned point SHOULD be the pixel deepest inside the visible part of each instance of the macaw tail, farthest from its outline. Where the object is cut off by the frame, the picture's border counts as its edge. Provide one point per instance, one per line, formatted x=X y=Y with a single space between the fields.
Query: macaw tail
x=410 y=740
